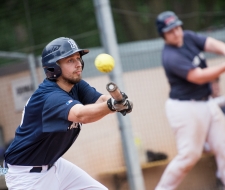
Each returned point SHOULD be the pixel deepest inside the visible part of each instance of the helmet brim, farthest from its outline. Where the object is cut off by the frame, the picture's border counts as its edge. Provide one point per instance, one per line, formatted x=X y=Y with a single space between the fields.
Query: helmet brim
x=81 y=51
x=170 y=27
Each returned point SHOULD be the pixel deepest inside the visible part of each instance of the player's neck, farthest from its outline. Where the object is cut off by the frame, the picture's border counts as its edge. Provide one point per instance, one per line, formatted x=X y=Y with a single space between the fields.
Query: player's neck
x=178 y=44
x=65 y=86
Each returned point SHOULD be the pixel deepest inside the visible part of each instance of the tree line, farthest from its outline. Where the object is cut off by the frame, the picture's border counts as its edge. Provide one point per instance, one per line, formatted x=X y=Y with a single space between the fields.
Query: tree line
x=27 y=26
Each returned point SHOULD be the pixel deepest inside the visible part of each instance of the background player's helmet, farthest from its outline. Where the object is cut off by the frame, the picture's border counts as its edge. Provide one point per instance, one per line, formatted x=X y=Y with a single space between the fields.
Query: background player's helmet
x=166 y=21
x=57 y=49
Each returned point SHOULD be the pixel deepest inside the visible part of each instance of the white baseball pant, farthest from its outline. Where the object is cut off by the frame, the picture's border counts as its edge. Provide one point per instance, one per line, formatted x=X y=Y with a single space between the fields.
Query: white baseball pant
x=63 y=175
x=193 y=124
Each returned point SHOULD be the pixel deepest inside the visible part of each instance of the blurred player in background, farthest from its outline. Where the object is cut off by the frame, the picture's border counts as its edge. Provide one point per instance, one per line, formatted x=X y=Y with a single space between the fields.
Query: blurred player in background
x=192 y=114
x=52 y=120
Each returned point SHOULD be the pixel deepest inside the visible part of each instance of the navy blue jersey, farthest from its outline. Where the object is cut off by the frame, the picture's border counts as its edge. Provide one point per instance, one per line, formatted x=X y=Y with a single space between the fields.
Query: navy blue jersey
x=178 y=61
x=45 y=133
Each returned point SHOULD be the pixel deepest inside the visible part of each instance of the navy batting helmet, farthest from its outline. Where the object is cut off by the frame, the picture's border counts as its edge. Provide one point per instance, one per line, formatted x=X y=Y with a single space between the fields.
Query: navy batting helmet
x=57 y=49
x=166 y=21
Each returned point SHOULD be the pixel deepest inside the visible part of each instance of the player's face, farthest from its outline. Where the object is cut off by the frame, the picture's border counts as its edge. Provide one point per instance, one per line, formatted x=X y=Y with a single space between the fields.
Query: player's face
x=71 y=68
x=174 y=36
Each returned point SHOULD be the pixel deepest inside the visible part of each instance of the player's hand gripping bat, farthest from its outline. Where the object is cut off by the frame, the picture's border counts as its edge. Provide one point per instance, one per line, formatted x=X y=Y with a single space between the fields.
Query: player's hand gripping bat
x=120 y=98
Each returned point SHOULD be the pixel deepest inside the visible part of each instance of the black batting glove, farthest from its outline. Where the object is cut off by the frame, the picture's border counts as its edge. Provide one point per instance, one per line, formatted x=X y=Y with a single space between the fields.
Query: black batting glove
x=128 y=103
x=129 y=109
x=124 y=107
x=124 y=95
x=114 y=105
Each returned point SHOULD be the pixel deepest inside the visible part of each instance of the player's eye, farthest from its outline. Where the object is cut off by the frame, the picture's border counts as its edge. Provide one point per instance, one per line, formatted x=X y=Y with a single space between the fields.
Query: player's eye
x=74 y=60
x=70 y=60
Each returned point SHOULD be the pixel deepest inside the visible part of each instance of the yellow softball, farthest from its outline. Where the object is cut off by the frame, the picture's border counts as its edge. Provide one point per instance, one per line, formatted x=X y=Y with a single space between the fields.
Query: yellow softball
x=104 y=63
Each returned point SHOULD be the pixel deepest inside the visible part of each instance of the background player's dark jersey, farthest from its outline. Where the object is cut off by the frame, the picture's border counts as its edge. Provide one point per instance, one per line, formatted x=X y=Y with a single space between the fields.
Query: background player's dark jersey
x=178 y=62
x=45 y=133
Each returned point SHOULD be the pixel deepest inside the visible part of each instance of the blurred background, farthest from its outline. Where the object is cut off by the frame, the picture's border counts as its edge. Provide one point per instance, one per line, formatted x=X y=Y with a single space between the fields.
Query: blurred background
x=27 y=26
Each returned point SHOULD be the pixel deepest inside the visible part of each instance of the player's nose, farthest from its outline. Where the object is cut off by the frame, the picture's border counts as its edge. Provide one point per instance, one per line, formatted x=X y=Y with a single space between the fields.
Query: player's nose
x=78 y=63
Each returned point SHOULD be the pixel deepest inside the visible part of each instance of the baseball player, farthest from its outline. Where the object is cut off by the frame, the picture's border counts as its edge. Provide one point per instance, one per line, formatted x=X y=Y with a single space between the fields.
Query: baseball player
x=51 y=122
x=193 y=116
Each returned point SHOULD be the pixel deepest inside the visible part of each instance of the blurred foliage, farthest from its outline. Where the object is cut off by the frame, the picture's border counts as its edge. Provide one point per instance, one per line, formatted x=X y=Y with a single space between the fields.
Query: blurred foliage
x=27 y=23
x=27 y=26
x=135 y=20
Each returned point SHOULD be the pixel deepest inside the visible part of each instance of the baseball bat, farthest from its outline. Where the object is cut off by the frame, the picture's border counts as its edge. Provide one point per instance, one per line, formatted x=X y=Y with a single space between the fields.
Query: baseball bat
x=114 y=91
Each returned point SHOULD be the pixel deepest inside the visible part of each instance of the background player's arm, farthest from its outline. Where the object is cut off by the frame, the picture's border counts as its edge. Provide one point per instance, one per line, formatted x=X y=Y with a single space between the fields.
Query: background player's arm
x=201 y=76
x=214 y=46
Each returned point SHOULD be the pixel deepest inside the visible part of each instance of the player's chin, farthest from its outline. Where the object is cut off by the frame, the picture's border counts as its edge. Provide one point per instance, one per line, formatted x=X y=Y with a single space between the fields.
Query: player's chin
x=78 y=78
x=74 y=80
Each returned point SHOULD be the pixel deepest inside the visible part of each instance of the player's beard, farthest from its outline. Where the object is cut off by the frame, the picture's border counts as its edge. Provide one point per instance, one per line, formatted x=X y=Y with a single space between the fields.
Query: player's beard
x=72 y=80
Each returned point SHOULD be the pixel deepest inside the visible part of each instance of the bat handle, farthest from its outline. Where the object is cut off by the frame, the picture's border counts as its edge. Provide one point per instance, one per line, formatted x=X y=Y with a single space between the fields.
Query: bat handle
x=114 y=91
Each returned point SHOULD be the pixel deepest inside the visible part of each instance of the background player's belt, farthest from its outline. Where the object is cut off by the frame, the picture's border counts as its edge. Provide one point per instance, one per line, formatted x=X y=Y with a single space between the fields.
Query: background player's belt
x=204 y=98
x=35 y=169
x=38 y=169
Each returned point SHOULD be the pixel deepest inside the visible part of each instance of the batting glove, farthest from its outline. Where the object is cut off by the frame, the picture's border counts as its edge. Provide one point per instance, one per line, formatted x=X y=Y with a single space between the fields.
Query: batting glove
x=123 y=107
x=129 y=108
x=128 y=103
x=116 y=105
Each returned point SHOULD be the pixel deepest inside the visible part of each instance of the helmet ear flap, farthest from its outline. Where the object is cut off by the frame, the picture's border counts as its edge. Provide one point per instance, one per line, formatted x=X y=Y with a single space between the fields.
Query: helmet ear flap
x=53 y=72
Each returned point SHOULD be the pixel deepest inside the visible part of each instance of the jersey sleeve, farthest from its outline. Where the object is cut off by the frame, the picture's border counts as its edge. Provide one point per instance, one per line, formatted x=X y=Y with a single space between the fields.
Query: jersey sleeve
x=198 y=39
x=55 y=112
x=87 y=94
x=178 y=65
